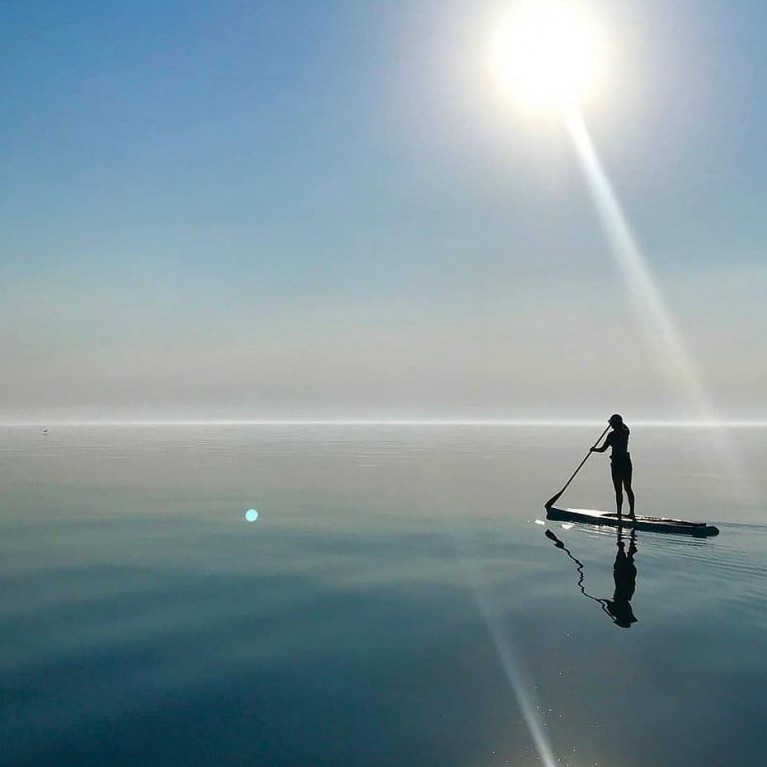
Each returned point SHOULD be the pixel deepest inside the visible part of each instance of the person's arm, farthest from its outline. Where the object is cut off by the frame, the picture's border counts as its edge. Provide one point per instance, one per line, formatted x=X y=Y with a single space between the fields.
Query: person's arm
x=606 y=444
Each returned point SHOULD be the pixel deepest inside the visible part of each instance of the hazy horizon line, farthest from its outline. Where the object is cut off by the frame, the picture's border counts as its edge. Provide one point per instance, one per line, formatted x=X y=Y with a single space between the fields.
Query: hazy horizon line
x=724 y=423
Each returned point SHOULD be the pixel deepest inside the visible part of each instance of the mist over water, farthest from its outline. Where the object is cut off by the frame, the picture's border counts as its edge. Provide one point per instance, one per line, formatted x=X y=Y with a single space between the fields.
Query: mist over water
x=363 y=617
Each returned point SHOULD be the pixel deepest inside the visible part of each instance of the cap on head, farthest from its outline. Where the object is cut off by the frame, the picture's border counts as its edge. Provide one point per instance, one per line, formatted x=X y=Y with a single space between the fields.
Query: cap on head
x=615 y=420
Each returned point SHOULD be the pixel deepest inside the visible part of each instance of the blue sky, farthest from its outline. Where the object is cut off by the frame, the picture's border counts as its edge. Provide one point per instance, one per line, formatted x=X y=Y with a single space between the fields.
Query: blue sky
x=300 y=209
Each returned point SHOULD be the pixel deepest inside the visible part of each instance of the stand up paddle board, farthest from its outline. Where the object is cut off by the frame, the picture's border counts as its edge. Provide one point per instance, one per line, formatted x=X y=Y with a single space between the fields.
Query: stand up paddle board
x=653 y=524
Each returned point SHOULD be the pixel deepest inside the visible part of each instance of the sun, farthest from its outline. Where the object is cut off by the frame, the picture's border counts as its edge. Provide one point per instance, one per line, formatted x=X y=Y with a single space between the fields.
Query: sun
x=549 y=53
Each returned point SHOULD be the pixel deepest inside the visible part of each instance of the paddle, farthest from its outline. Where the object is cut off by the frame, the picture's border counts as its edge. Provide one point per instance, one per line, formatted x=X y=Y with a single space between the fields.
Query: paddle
x=555 y=498
x=581 y=573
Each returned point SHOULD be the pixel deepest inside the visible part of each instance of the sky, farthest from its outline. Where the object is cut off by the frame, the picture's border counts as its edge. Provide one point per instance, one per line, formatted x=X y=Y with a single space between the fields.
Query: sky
x=328 y=209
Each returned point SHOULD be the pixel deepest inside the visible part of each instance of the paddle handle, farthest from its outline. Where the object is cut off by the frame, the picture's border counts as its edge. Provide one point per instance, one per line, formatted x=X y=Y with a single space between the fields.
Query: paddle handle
x=555 y=498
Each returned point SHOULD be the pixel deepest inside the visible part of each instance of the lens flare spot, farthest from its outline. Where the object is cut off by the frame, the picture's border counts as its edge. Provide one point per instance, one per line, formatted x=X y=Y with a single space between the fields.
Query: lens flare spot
x=251 y=515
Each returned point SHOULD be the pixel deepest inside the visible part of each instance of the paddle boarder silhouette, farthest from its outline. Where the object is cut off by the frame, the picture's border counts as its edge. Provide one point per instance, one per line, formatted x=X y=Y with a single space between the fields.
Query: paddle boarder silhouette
x=620 y=461
x=618 y=609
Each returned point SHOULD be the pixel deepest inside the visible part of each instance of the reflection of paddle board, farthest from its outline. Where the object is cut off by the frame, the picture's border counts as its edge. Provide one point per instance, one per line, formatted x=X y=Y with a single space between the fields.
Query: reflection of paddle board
x=654 y=524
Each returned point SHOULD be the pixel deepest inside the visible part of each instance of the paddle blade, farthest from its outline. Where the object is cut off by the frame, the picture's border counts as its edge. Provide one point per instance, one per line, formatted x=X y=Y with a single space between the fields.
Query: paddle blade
x=553 y=500
x=554 y=538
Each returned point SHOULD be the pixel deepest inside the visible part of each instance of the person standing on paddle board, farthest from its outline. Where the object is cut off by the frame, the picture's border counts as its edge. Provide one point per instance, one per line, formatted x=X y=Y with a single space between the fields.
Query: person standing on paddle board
x=620 y=458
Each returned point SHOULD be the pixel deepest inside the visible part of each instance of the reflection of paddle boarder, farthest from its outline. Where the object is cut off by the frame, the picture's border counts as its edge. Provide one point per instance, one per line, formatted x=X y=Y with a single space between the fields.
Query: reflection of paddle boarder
x=620 y=458
x=624 y=573
x=625 y=576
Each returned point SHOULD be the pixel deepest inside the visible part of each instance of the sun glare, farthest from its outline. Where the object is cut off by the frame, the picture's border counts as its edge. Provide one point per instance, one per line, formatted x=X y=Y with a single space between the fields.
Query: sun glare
x=549 y=53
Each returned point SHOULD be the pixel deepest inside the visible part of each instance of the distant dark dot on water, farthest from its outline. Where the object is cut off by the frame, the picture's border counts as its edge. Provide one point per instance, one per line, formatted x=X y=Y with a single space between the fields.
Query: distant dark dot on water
x=251 y=515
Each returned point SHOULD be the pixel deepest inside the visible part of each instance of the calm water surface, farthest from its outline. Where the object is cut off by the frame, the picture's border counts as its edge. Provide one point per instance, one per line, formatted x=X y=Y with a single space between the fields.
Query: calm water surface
x=396 y=603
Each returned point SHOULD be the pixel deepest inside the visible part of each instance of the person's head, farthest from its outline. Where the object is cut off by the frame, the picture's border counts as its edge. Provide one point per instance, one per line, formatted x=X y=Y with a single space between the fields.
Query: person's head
x=616 y=421
x=621 y=613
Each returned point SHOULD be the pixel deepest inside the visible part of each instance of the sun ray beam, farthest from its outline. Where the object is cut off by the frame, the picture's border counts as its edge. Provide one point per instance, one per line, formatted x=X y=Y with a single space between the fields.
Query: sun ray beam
x=513 y=672
x=659 y=325
x=517 y=680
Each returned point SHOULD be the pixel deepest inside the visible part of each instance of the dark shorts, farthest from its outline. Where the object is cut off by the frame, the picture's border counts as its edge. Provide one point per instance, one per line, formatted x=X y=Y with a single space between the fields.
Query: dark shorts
x=621 y=464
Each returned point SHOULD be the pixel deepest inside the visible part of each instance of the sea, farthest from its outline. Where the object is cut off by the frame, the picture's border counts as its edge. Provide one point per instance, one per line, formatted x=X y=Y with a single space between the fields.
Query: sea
x=367 y=594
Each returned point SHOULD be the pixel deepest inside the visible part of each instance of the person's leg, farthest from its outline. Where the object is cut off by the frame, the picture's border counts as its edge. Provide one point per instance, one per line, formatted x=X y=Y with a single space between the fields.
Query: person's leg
x=618 y=485
x=629 y=491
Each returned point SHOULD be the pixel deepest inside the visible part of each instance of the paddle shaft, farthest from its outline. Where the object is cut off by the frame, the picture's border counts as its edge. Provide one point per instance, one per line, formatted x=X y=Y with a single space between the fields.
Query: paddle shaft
x=579 y=568
x=555 y=498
